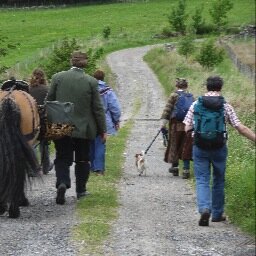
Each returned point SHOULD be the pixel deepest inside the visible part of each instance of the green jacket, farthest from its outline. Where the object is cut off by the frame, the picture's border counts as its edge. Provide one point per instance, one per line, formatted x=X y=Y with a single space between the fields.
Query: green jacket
x=81 y=89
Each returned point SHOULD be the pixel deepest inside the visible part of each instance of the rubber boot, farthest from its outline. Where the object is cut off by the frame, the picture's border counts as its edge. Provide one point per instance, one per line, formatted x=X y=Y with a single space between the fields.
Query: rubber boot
x=82 y=173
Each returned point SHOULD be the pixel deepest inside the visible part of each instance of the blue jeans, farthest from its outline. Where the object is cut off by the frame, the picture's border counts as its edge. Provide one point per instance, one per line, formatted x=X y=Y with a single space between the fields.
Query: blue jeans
x=210 y=196
x=97 y=154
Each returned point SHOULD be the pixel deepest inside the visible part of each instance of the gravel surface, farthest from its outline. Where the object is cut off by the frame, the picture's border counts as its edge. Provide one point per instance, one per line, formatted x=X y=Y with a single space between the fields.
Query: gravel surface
x=157 y=214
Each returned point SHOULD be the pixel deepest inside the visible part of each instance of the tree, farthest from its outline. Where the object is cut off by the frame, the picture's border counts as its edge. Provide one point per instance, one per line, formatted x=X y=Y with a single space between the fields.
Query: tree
x=219 y=11
x=210 y=55
x=60 y=59
x=197 y=20
x=186 y=45
x=178 y=16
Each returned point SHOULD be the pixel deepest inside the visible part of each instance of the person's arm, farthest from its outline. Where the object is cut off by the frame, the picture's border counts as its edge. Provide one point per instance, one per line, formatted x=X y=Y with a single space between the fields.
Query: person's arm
x=188 y=120
x=235 y=122
x=246 y=132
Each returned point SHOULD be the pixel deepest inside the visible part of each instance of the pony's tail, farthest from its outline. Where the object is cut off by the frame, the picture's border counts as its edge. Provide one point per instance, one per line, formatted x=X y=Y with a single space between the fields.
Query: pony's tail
x=17 y=157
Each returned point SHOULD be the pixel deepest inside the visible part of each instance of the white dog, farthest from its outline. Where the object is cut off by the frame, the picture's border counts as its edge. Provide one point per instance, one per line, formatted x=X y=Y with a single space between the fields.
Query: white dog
x=141 y=163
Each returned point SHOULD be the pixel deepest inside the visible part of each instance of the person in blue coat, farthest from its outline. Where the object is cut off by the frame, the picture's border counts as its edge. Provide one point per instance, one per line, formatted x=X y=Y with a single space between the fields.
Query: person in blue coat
x=113 y=112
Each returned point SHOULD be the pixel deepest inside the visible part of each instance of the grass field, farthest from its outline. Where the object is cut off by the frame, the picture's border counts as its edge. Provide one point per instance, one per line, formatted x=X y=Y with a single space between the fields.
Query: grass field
x=132 y=24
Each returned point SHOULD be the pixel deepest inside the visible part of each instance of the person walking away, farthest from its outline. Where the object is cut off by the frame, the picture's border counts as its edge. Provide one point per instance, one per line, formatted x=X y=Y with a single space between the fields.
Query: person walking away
x=81 y=89
x=112 y=112
x=38 y=89
x=208 y=117
x=179 y=145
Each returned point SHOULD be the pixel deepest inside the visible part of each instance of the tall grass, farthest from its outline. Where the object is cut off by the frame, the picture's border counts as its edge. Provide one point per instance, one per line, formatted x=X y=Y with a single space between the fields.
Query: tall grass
x=240 y=92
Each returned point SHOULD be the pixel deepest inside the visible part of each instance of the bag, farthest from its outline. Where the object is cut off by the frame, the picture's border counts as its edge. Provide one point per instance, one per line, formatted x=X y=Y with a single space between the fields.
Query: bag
x=209 y=122
x=59 y=119
x=182 y=105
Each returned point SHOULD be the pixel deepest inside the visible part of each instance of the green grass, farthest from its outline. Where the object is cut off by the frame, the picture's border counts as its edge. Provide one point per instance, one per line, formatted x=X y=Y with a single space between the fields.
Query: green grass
x=240 y=92
x=98 y=211
x=132 y=24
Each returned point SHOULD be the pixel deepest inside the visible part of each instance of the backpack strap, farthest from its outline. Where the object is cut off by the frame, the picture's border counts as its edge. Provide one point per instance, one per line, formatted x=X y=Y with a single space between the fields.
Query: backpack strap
x=105 y=90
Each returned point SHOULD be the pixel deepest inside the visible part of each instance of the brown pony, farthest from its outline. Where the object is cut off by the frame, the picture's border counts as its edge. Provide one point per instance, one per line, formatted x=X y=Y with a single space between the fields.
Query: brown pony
x=19 y=128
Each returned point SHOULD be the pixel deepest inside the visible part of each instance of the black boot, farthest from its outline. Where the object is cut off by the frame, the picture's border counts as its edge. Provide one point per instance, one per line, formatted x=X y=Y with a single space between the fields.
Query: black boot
x=82 y=173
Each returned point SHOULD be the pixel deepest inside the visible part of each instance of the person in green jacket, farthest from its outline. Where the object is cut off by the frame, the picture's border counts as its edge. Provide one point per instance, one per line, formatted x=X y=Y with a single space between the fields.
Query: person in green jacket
x=81 y=89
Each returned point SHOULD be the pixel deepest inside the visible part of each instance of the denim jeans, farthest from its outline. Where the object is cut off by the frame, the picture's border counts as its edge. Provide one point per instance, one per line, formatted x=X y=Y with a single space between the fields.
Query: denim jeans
x=210 y=196
x=97 y=154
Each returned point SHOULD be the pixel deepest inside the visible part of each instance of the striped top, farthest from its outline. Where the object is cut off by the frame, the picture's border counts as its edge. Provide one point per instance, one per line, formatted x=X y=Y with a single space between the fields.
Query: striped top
x=229 y=112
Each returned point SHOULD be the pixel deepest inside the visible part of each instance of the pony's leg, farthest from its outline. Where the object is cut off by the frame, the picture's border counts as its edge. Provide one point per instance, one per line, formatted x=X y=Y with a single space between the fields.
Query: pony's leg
x=23 y=200
x=14 y=210
x=3 y=208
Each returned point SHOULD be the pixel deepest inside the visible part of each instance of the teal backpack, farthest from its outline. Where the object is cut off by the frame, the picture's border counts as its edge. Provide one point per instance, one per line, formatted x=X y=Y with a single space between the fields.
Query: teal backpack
x=209 y=122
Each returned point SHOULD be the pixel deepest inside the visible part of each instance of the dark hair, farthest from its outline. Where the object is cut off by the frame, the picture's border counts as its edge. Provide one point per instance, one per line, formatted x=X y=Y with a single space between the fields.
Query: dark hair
x=99 y=75
x=181 y=83
x=38 y=77
x=214 y=83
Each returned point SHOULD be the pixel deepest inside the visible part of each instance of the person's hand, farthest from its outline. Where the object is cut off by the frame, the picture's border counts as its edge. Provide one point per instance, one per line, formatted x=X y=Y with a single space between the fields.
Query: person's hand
x=104 y=137
x=164 y=130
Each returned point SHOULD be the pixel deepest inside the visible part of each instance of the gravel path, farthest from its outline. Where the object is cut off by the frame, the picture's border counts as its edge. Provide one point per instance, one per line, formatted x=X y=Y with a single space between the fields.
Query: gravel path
x=157 y=214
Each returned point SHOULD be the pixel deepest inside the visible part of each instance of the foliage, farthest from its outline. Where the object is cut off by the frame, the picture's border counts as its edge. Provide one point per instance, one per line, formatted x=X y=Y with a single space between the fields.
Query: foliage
x=60 y=58
x=241 y=176
x=186 y=45
x=106 y=32
x=93 y=56
x=210 y=55
x=219 y=11
x=178 y=16
x=4 y=49
x=198 y=22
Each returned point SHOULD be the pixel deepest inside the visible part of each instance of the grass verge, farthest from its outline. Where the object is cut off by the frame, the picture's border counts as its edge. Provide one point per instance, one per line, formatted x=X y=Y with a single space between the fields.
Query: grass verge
x=98 y=210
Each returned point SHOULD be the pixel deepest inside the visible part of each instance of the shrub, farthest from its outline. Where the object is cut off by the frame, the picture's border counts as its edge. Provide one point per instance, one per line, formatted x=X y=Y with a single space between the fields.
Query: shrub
x=106 y=32
x=93 y=56
x=210 y=55
x=186 y=45
x=197 y=20
x=60 y=59
x=4 y=49
x=178 y=16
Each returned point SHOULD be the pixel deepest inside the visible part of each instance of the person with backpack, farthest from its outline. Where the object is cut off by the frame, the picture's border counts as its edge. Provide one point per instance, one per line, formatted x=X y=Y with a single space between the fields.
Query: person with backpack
x=207 y=117
x=113 y=113
x=180 y=144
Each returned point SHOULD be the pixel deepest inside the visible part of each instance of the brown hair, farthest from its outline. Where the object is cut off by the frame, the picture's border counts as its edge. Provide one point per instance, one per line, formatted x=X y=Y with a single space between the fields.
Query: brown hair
x=181 y=83
x=99 y=75
x=38 y=77
x=78 y=59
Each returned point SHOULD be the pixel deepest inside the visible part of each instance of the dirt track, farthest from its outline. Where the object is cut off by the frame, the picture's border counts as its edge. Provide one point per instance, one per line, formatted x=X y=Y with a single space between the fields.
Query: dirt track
x=157 y=215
